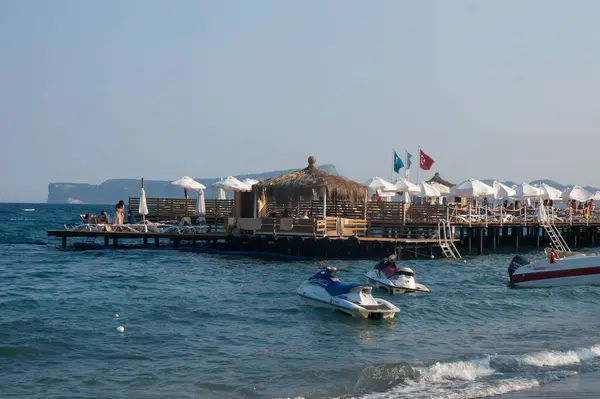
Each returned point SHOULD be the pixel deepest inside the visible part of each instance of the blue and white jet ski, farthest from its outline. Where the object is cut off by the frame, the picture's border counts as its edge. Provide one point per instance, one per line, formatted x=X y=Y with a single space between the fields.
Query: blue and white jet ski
x=324 y=289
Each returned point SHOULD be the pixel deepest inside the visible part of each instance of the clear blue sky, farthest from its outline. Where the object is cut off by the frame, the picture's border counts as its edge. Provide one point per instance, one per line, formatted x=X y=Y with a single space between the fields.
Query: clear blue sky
x=490 y=89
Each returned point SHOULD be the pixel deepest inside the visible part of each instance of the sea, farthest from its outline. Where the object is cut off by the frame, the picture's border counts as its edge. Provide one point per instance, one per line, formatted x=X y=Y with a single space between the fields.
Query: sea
x=217 y=326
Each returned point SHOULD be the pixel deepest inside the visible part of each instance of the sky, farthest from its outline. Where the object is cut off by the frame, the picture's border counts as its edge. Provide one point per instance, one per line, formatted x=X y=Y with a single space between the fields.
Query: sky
x=123 y=89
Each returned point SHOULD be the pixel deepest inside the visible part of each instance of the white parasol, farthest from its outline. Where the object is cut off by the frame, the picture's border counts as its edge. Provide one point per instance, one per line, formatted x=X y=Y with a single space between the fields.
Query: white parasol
x=473 y=188
x=577 y=193
x=503 y=191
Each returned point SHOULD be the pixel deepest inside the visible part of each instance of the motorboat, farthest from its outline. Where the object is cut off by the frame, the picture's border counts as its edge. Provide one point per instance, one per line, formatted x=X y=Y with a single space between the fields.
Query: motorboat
x=395 y=280
x=324 y=289
x=558 y=268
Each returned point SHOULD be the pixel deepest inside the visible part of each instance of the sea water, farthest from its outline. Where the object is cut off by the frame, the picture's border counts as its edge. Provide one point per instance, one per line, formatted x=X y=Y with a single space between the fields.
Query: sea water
x=207 y=326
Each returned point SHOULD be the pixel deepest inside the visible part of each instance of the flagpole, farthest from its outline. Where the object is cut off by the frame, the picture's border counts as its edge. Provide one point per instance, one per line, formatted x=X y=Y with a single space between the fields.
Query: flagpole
x=406 y=164
x=419 y=165
x=393 y=162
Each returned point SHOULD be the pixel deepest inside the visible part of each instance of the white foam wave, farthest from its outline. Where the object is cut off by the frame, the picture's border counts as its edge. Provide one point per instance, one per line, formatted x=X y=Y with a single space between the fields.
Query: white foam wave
x=466 y=371
x=467 y=379
x=559 y=358
x=452 y=391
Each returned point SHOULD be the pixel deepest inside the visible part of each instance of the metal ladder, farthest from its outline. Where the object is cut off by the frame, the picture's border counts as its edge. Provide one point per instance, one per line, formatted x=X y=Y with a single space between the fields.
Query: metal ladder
x=557 y=240
x=447 y=245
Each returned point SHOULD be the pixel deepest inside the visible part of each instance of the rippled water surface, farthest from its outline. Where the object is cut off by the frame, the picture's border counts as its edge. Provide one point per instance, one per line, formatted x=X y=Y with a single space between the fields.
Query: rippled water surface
x=206 y=326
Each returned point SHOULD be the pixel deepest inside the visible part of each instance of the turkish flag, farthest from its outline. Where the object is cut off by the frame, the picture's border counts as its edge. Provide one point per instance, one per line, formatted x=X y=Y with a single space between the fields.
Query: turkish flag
x=426 y=161
x=553 y=256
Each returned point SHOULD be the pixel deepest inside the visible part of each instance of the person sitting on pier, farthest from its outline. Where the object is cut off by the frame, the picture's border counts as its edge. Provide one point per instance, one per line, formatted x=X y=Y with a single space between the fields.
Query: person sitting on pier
x=103 y=218
x=130 y=217
x=305 y=216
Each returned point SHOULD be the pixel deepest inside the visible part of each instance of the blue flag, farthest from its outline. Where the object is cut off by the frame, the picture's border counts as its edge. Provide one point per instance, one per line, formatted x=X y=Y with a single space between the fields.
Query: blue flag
x=398 y=164
x=408 y=162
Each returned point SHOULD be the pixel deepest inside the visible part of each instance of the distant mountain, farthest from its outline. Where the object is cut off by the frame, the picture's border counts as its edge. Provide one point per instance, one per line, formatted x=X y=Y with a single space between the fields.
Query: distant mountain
x=113 y=190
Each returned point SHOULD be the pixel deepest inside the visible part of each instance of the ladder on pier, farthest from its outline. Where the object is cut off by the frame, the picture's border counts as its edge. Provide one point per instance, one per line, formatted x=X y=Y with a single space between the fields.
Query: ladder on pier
x=447 y=245
x=556 y=239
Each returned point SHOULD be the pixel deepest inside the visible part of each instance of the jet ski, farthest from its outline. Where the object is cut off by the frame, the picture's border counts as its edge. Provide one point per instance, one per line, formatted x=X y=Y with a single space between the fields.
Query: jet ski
x=393 y=279
x=558 y=268
x=324 y=289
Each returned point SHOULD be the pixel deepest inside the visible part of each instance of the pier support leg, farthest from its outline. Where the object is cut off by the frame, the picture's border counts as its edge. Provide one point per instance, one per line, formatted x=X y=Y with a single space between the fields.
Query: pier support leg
x=157 y=242
x=494 y=237
x=480 y=241
x=537 y=239
x=145 y=240
x=106 y=241
x=176 y=243
x=516 y=233
x=64 y=241
x=470 y=235
x=115 y=242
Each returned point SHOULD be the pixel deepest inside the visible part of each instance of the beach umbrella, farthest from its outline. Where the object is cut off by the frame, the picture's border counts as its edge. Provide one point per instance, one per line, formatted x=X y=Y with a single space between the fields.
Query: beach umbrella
x=525 y=190
x=230 y=183
x=221 y=194
x=200 y=205
x=143 y=208
x=473 y=188
x=187 y=183
x=444 y=190
x=577 y=193
x=550 y=193
x=380 y=185
x=403 y=185
x=249 y=182
x=597 y=196
x=502 y=191
x=427 y=190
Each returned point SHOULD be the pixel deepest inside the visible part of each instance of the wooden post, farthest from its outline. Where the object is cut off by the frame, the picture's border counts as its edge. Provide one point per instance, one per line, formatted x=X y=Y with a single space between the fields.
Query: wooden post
x=470 y=234
x=145 y=240
x=157 y=242
x=115 y=242
x=64 y=241
x=106 y=241
x=480 y=246
x=516 y=232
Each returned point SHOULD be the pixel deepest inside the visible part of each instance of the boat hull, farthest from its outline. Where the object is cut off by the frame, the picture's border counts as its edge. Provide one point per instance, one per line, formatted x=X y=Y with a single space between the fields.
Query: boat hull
x=567 y=271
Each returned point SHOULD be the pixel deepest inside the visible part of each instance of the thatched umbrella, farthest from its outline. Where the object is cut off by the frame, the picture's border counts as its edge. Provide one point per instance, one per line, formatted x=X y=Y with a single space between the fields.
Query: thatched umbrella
x=304 y=184
x=437 y=179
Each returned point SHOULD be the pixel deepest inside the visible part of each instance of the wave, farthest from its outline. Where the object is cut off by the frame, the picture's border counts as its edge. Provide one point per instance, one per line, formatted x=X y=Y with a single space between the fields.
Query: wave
x=485 y=376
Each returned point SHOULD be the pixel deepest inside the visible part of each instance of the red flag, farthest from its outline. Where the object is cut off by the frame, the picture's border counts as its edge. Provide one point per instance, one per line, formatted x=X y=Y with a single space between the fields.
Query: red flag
x=426 y=161
x=553 y=256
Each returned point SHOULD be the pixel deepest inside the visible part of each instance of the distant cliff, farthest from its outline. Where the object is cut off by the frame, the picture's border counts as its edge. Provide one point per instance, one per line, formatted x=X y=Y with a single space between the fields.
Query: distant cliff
x=113 y=190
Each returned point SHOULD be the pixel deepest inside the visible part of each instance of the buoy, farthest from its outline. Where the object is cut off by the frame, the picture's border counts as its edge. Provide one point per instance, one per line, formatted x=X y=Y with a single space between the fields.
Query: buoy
x=432 y=256
x=116 y=315
x=120 y=329
x=464 y=261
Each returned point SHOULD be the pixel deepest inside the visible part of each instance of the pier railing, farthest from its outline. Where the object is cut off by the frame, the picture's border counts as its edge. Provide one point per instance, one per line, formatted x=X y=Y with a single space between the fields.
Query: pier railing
x=176 y=208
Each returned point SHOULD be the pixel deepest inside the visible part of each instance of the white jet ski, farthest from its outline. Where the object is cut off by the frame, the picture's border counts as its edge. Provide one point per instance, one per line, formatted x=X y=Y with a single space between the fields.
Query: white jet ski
x=324 y=289
x=558 y=268
x=393 y=279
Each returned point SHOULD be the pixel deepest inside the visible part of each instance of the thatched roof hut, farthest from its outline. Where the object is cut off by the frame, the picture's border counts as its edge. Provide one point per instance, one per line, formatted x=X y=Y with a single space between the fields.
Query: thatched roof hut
x=306 y=183
x=437 y=179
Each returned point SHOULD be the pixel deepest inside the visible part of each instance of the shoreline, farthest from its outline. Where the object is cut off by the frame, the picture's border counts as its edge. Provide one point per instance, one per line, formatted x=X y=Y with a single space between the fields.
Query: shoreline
x=584 y=385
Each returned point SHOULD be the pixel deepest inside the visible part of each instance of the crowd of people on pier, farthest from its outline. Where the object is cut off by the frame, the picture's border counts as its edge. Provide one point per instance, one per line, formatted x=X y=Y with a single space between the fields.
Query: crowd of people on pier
x=104 y=217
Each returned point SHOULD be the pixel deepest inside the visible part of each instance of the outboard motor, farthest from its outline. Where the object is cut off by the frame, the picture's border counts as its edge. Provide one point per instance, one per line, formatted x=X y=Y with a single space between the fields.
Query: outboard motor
x=515 y=263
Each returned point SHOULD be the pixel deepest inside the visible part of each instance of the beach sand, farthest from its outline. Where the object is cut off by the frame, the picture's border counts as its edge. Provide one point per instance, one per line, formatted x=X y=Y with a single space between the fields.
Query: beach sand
x=586 y=385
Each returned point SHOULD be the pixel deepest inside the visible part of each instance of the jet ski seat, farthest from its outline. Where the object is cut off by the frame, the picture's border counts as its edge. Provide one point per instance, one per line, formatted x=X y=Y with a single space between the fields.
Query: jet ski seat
x=337 y=288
